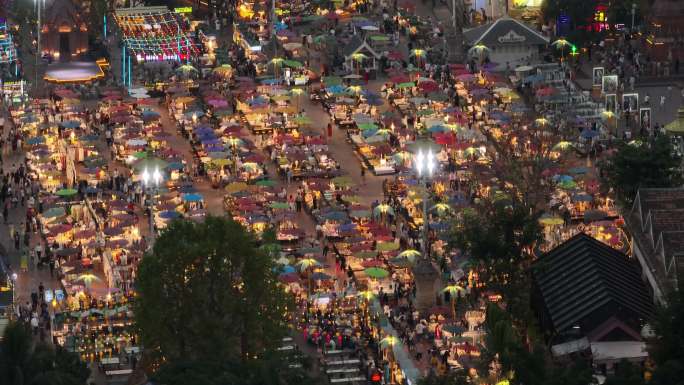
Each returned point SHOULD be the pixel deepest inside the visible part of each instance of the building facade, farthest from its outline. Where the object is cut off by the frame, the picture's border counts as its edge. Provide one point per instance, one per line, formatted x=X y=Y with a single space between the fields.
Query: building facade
x=64 y=30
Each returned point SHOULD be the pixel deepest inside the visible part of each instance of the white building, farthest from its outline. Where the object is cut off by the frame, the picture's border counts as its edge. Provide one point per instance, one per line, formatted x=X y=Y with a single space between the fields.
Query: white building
x=506 y=40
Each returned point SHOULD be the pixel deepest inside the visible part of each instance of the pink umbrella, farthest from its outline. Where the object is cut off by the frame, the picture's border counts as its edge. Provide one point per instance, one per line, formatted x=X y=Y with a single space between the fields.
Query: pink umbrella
x=218 y=103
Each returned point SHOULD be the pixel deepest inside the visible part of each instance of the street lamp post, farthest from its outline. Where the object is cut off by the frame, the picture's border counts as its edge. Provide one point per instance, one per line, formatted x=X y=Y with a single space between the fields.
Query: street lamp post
x=151 y=183
x=424 y=272
x=38 y=33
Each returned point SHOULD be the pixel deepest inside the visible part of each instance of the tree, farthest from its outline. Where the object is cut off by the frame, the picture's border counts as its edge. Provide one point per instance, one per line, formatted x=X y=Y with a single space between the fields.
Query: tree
x=642 y=164
x=22 y=362
x=667 y=348
x=451 y=378
x=499 y=235
x=208 y=293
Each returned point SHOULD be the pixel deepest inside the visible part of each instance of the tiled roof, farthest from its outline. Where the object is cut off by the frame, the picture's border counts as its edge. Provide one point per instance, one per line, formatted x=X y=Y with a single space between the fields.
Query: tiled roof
x=656 y=222
x=504 y=31
x=582 y=277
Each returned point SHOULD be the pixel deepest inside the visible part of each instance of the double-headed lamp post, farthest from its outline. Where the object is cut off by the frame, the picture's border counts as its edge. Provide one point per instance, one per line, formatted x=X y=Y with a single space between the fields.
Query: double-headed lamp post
x=424 y=272
x=151 y=180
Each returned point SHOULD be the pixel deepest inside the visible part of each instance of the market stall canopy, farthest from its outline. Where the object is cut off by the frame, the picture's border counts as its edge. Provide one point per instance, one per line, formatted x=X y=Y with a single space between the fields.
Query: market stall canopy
x=676 y=127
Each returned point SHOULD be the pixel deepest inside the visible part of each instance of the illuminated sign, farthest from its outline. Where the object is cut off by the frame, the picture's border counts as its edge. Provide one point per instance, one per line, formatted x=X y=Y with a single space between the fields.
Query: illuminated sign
x=511 y=37
x=183 y=10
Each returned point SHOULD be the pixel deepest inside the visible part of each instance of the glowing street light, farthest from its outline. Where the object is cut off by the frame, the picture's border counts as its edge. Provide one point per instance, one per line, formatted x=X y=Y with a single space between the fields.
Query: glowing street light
x=423 y=272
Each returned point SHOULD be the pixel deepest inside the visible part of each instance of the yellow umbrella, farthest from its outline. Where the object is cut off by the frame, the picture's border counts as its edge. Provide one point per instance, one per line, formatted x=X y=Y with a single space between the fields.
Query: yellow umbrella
x=236 y=187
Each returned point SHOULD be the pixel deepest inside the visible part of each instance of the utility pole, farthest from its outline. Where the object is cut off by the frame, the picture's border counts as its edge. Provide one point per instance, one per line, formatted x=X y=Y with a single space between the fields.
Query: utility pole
x=38 y=52
x=454 y=35
x=634 y=7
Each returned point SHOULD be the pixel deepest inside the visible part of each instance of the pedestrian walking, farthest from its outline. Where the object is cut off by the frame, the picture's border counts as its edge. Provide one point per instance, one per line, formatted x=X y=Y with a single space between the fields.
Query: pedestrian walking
x=662 y=102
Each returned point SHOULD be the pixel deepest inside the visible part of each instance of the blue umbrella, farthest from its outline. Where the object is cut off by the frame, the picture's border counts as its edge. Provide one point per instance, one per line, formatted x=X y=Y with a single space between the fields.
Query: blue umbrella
x=29 y=119
x=437 y=128
x=500 y=116
x=578 y=170
x=92 y=190
x=210 y=141
x=193 y=197
x=70 y=124
x=288 y=269
x=170 y=214
x=562 y=178
x=582 y=198
x=368 y=133
x=439 y=226
x=335 y=216
x=214 y=148
x=375 y=102
x=348 y=227
x=270 y=82
x=279 y=26
x=195 y=113
x=187 y=190
x=533 y=78
x=336 y=89
x=319 y=276
x=35 y=140
x=174 y=166
x=89 y=138
x=149 y=114
x=589 y=134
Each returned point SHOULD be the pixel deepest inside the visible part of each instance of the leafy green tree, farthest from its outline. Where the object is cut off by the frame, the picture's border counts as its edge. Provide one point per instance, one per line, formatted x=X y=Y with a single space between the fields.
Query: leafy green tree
x=208 y=293
x=499 y=235
x=642 y=164
x=24 y=363
x=451 y=378
x=667 y=348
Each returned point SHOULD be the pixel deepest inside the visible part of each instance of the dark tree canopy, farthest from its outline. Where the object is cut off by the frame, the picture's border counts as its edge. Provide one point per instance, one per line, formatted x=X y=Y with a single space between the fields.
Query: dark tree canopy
x=642 y=164
x=23 y=362
x=207 y=292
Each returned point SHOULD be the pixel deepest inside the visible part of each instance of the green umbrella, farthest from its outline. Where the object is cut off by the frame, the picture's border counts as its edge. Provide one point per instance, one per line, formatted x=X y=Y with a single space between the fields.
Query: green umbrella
x=66 y=192
x=279 y=205
x=54 y=212
x=293 y=63
x=367 y=126
x=376 y=272
x=302 y=120
x=266 y=183
x=309 y=18
x=387 y=246
x=425 y=112
x=366 y=254
x=380 y=38
x=406 y=85
x=343 y=181
x=332 y=80
x=140 y=155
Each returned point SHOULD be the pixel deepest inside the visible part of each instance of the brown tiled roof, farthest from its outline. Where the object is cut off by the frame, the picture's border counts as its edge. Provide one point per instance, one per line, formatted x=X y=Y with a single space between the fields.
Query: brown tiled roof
x=582 y=277
x=656 y=223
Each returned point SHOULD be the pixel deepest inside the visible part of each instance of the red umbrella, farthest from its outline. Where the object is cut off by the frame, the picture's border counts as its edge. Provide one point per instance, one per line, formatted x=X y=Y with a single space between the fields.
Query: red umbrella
x=372 y=263
x=288 y=278
x=429 y=87
x=395 y=55
x=402 y=78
